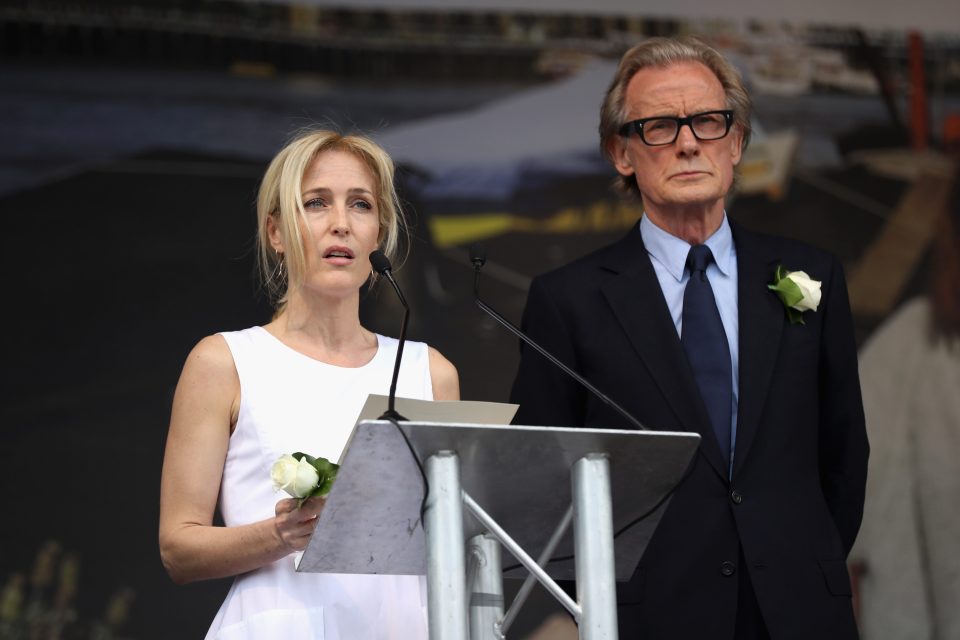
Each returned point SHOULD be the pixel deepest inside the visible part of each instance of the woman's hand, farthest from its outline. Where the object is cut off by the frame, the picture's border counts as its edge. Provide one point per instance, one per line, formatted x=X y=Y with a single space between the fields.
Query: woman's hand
x=294 y=525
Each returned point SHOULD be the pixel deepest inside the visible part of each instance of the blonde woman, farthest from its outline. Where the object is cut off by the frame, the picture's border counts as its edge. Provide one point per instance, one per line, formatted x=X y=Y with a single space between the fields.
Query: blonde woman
x=295 y=384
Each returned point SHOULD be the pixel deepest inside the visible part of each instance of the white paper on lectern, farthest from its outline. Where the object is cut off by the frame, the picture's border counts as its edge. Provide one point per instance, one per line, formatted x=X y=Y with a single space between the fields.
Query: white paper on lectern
x=456 y=411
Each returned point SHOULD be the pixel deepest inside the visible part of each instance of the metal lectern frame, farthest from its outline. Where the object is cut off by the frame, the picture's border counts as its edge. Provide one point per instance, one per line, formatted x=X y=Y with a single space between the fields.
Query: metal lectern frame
x=601 y=480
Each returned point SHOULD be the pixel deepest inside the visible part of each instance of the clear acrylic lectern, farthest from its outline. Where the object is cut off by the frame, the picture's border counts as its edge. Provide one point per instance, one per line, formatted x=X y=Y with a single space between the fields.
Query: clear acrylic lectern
x=523 y=487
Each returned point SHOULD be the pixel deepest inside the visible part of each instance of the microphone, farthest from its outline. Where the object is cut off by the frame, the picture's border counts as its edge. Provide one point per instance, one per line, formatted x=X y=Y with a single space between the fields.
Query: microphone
x=381 y=264
x=478 y=256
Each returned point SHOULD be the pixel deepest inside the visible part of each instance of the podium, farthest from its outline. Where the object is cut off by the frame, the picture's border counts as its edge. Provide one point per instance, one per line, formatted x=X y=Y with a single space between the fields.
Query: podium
x=490 y=485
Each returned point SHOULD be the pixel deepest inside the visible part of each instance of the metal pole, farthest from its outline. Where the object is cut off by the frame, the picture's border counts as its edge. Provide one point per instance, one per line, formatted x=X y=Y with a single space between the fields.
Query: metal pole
x=529 y=563
x=527 y=586
x=593 y=544
x=486 y=588
x=443 y=528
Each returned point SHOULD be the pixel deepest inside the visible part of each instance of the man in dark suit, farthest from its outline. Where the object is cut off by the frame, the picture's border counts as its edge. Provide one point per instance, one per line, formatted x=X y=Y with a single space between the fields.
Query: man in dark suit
x=677 y=323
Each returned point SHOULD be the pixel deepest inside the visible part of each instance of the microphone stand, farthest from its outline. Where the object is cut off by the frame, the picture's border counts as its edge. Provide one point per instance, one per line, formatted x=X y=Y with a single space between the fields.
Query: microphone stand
x=478 y=260
x=381 y=264
x=391 y=412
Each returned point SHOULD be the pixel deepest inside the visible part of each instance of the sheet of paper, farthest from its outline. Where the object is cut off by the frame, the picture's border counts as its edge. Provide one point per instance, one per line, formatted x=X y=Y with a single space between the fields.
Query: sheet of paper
x=455 y=411
x=458 y=411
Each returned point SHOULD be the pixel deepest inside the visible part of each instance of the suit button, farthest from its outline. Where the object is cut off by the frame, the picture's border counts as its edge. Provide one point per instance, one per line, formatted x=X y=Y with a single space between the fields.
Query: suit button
x=727 y=568
x=736 y=496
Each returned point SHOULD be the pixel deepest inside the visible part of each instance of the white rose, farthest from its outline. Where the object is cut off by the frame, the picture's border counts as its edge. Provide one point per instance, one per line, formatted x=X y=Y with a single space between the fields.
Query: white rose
x=808 y=287
x=297 y=477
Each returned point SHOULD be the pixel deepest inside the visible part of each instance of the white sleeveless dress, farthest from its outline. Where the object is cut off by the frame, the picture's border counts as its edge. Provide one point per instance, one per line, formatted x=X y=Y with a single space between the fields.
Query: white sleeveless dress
x=291 y=402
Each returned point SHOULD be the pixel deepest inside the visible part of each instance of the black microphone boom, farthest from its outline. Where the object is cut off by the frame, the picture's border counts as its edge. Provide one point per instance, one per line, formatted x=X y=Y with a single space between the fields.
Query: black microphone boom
x=381 y=265
x=478 y=257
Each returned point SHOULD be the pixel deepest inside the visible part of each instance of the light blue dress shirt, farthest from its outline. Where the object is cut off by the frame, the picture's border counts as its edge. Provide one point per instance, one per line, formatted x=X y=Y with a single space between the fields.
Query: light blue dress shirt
x=668 y=255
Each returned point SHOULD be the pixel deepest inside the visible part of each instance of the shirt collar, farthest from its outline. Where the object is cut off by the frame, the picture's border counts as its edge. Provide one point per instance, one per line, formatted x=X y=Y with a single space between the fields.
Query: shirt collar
x=671 y=251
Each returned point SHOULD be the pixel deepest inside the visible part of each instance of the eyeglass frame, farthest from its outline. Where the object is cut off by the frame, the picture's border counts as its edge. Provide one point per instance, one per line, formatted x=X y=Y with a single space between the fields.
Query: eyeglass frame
x=637 y=126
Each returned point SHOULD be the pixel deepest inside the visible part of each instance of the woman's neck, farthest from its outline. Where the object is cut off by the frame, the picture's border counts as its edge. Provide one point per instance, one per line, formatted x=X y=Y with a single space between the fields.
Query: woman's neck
x=327 y=329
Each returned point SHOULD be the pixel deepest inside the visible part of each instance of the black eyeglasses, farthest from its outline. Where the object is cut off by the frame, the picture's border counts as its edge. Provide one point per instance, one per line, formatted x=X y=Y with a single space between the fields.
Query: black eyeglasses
x=660 y=130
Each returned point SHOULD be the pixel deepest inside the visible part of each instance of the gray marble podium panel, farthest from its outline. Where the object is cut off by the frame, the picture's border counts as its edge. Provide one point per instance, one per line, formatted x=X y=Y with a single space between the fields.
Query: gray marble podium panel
x=519 y=475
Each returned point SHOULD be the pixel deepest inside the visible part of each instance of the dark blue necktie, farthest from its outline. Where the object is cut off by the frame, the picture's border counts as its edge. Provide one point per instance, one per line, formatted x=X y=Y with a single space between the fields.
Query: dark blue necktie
x=705 y=342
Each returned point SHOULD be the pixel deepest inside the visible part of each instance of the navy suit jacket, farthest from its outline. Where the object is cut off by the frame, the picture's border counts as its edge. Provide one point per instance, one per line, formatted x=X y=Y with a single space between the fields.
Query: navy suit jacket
x=795 y=500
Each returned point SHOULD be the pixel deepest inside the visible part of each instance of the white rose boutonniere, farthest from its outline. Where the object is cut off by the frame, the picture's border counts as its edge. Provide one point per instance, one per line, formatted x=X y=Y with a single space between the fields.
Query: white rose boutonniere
x=798 y=292
x=303 y=476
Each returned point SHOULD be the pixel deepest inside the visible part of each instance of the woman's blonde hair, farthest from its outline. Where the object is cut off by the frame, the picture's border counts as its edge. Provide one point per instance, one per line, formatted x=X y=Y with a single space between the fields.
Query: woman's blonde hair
x=280 y=199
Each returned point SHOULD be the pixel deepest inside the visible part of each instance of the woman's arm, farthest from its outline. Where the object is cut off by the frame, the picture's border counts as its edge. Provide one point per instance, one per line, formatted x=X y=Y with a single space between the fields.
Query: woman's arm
x=446 y=382
x=204 y=410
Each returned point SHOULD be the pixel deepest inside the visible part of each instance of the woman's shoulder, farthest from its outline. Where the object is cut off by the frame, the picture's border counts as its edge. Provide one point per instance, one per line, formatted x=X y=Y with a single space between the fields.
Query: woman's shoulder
x=209 y=373
x=444 y=376
x=408 y=346
x=211 y=355
x=247 y=335
x=221 y=353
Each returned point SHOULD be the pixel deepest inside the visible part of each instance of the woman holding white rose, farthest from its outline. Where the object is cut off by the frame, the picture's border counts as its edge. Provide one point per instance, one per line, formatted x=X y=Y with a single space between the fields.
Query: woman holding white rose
x=296 y=384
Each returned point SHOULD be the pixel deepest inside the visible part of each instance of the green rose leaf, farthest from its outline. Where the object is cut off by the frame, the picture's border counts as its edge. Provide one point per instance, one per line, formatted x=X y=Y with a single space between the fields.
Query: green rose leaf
x=299 y=455
x=327 y=475
x=789 y=293
x=787 y=290
x=326 y=483
x=326 y=470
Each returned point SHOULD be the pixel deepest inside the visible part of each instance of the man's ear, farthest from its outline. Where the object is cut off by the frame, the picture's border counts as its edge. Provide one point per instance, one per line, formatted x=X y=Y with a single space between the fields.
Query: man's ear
x=736 y=142
x=273 y=232
x=617 y=149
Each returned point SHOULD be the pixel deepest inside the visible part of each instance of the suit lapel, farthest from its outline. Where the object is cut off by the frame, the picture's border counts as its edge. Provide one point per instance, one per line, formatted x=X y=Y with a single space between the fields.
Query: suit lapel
x=761 y=323
x=638 y=304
